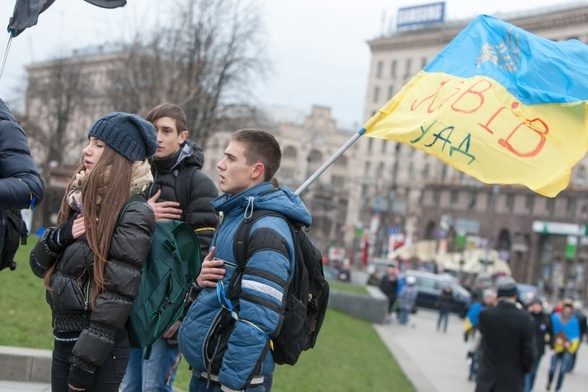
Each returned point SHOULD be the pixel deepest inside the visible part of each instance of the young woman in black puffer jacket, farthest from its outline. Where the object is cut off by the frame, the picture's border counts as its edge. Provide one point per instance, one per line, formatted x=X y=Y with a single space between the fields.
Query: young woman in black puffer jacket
x=91 y=262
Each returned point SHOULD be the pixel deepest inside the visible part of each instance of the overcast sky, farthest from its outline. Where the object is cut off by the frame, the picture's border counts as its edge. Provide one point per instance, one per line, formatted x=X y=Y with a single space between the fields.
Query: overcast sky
x=318 y=47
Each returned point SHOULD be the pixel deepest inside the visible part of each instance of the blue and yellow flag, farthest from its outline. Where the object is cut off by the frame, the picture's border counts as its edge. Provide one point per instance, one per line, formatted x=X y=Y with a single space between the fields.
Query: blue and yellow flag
x=498 y=103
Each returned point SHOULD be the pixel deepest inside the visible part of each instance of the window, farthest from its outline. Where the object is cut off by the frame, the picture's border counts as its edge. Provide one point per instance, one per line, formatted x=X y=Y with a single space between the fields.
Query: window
x=509 y=203
x=454 y=198
x=379 y=69
x=549 y=206
x=384 y=144
x=581 y=176
x=423 y=62
x=408 y=68
x=380 y=170
x=443 y=172
x=376 y=93
x=370 y=144
x=436 y=197
x=426 y=171
x=393 y=69
x=290 y=152
x=530 y=203
x=570 y=206
x=390 y=92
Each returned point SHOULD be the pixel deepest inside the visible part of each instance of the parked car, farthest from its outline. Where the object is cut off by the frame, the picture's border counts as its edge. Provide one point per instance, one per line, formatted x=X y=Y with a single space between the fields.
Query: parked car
x=527 y=292
x=334 y=274
x=429 y=287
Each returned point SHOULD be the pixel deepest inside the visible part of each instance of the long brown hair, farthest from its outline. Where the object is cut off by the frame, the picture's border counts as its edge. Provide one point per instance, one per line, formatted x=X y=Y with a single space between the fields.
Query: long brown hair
x=118 y=172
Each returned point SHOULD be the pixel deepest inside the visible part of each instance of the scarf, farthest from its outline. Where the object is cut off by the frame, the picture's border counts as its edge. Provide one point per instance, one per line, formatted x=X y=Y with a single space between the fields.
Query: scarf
x=140 y=180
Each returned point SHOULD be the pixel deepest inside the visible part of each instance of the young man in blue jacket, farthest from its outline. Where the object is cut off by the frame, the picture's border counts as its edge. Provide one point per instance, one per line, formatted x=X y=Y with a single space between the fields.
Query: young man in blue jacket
x=231 y=351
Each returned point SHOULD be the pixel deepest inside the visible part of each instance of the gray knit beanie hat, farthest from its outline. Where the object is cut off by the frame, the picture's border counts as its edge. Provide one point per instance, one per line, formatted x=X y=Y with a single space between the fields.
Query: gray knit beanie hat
x=128 y=134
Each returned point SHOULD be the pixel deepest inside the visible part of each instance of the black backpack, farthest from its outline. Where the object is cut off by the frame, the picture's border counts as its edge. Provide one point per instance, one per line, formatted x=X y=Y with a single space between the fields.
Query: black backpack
x=306 y=297
x=15 y=234
x=173 y=262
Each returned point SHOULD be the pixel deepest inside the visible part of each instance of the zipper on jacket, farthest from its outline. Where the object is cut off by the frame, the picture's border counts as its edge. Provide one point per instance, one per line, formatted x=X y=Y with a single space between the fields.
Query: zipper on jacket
x=86 y=297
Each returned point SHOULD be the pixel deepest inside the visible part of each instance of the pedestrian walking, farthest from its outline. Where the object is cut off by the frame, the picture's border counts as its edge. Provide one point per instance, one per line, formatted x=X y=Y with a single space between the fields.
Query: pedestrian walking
x=389 y=286
x=543 y=332
x=180 y=191
x=444 y=303
x=581 y=316
x=508 y=342
x=407 y=299
x=564 y=343
x=91 y=262
x=231 y=355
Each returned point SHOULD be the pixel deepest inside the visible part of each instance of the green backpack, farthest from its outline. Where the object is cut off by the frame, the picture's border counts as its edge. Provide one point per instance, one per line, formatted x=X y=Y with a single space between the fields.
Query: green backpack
x=173 y=263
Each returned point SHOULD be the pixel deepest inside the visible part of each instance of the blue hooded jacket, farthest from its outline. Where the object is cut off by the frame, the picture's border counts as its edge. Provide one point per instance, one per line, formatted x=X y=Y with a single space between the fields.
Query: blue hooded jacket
x=265 y=279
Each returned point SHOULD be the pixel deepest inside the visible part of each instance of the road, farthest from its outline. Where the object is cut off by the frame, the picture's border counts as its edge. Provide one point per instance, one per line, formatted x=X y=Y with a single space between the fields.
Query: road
x=436 y=361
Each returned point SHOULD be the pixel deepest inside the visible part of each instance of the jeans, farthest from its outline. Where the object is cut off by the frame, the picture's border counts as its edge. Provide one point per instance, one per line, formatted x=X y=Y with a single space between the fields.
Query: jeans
x=107 y=377
x=200 y=384
x=155 y=374
x=530 y=377
x=443 y=316
x=403 y=316
x=566 y=359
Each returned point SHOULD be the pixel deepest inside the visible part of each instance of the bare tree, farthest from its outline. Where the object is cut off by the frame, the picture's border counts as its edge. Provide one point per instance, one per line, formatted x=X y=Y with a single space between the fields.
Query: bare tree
x=56 y=97
x=205 y=60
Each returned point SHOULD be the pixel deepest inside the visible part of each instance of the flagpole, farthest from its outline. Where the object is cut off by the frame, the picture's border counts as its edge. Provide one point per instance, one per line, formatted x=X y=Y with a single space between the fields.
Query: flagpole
x=5 y=54
x=330 y=161
x=340 y=152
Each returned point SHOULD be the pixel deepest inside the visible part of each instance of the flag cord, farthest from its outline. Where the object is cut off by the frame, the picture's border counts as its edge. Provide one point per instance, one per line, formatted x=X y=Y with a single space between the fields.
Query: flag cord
x=5 y=54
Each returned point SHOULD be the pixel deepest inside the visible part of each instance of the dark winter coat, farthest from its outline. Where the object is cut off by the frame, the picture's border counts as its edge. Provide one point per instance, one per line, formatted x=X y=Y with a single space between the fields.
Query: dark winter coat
x=20 y=183
x=181 y=179
x=445 y=300
x=543 y=331
x=508 y=344
x=389 y=287
x=70 y=294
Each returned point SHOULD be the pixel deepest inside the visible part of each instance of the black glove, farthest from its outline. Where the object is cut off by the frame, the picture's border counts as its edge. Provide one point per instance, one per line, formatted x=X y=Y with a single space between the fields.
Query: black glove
x=62 y=236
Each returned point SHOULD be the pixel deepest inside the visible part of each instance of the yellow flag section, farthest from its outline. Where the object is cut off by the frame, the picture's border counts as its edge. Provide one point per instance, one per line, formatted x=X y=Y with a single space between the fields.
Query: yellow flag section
x=502 y=115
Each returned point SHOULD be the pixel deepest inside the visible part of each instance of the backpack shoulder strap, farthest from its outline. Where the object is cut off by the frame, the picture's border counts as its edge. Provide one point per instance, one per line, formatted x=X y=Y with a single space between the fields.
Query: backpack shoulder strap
x=242 y=234
x=136 y=198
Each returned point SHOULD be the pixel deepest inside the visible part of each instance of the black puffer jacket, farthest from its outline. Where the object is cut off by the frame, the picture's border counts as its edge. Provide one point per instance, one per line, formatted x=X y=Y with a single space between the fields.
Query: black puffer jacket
x=181 y=179
x=20 y=183
x=71 y=293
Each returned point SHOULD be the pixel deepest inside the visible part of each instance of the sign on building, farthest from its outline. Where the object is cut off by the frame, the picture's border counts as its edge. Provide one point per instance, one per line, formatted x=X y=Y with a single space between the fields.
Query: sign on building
x=420 y=15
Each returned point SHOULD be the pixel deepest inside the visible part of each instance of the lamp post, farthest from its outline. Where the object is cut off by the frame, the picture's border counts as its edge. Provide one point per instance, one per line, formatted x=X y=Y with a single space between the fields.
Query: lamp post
x=490 y=236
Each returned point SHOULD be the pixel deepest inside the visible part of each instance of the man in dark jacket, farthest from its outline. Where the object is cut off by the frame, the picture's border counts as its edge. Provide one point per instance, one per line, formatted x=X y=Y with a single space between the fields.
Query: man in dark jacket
x=543 y=332
x=508 y=343
x=21 y=185
x=389 y=286
x=180 y=191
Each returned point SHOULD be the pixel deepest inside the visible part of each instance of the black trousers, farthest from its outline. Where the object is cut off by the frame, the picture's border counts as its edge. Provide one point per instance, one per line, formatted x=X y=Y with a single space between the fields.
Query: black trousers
x=107 y=378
